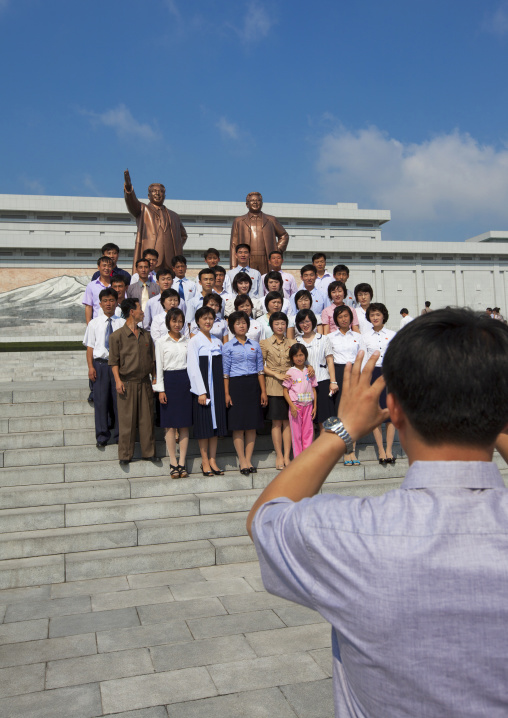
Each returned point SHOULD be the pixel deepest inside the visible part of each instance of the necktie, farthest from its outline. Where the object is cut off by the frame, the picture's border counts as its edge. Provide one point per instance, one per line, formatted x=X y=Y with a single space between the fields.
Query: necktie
x=109 y=330
x=144 y=297
x=180 y=290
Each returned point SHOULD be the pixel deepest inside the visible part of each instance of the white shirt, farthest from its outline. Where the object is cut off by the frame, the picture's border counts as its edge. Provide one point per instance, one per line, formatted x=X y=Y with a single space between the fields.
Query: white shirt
x=189 y=287
x=363 y=323
x=317 y=355
x=159 y=329
x=405 y=320
x=288 y=284
x=377 y=341
x=257 y=286
x=255 y=332
x=343 y=347
x=152 y=277
x=95 y=335
x=170 y=355
x=226 y=286
x=219 y=328
x=195 y=303
x=258 y=306
x=118 y=312
x=154 y=307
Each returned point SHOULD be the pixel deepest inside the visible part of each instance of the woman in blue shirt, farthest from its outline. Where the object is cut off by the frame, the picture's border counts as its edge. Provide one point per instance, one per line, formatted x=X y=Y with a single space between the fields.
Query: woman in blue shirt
x=244 y=386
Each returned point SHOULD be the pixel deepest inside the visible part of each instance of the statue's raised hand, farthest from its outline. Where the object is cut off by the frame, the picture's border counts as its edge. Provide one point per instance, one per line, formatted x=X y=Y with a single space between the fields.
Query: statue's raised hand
x=128 y=183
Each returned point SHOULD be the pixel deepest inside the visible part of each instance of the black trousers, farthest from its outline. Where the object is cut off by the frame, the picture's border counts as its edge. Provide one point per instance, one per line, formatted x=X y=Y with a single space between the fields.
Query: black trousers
x=104 y=398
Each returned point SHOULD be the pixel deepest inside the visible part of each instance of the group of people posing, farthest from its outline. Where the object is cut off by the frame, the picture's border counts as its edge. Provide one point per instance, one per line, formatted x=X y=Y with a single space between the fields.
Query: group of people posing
x=223 y=353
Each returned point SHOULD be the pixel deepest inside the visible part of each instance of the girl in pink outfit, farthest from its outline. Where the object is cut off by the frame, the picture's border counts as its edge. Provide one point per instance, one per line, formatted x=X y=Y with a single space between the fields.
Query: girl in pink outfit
x=300 y=393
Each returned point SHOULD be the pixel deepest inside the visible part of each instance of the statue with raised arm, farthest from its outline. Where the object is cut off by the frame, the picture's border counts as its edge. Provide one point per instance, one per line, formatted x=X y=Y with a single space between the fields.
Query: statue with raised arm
x=262 y=232
x=158 y=227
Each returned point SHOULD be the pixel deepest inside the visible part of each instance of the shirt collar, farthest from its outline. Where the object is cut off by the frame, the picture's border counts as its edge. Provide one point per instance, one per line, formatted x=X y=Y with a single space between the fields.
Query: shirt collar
x=98 y=281
x=168 y=338
x=453 y=475
x=247 y=341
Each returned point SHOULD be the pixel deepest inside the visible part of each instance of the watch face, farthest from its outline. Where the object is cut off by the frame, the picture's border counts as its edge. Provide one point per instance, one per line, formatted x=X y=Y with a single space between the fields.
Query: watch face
x=331 y=423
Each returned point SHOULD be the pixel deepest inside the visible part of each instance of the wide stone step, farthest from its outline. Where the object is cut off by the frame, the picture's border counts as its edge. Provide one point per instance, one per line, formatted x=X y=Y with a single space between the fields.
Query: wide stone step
x=46 y=408
x=160 y=531
x=51 y=423
x=65 y=390
x=101 y=512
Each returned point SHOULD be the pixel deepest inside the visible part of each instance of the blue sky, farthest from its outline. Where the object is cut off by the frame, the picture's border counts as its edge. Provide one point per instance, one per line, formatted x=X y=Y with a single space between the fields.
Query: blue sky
x=394 y=105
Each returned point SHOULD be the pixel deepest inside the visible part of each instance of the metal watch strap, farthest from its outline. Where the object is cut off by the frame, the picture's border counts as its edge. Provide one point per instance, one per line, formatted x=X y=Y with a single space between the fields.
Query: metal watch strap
x=334 y=425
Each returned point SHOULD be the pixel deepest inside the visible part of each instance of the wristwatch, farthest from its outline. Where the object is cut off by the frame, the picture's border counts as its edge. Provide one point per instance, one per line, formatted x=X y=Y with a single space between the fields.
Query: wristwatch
x=335 y=426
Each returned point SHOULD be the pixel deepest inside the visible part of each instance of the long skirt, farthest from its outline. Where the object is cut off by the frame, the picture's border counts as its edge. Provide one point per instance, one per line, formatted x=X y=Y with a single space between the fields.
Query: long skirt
x=246 y=412
x=325 y=406
x=203 y=421
x=177 y=413
x=339 y=378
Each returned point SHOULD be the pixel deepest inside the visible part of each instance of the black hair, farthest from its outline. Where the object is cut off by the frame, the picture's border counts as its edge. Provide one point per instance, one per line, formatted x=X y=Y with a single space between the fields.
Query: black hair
x=241 y=299
x=171 y=314
x=120 y=278
x=128 y=305
x=202 y=312
x=278 y=316
x=403 y=311
x=216 y=298
x=209 y=251
x=427 y=303
x=339 y=310
x=275 y=251
x=206 y=270
x=234 y=317
x=108 y=292
x=110 y=246
x=177 y=259
x=142 y=260
x=363 y=287
x=303 y=293
x=340 y=268
x=242 y=246
x=164 y=271
x=377 y=307
x=318 y=255
x=442 y=369
x=146 y=252
x=308 y=268
x=220 y=269
x=273 y=275
x=302 y=315
x=295 y=349
x=241 y=277
x=104 y=259
x=336 y=285
x=168 y=293
x=272 y=295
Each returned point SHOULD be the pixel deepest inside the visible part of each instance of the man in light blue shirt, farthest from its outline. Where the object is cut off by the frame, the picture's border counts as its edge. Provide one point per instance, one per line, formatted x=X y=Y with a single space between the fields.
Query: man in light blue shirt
x=185 y=287
x=414 y=582
x=308 y=274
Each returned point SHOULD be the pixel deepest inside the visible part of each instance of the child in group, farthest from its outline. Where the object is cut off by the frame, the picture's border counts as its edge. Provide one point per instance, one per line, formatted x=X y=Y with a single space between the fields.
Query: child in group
x=303 y=300
x=220 y=326
x=363 y=295
x=341 y=274
x=243 y=303
x=174 y=386
x=300 y=393
x=337 y=292
x=165 y=277
x=212 y=258
x=169 y=299
x=185 y=287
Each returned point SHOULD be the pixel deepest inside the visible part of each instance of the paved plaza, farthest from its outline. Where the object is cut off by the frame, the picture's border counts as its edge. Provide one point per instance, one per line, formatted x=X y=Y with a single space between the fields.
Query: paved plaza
x=193 y=643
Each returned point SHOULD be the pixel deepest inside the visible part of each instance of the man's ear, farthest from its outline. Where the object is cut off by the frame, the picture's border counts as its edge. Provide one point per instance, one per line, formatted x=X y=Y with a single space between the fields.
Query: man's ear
x=397 y=415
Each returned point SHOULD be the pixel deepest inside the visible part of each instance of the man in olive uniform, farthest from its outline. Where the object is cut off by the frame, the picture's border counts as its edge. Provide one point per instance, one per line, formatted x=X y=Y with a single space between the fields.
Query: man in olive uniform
x=132 y=359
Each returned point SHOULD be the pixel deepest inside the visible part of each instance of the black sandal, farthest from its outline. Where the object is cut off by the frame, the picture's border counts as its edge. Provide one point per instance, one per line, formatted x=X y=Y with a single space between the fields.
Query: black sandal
x=216 y=472
x=182 y=471
x=174 y=473
x=206 y=473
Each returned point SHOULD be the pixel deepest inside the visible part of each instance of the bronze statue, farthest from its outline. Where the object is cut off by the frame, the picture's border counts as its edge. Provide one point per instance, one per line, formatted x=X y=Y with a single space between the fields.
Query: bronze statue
x=260 y=231
x=158 y=227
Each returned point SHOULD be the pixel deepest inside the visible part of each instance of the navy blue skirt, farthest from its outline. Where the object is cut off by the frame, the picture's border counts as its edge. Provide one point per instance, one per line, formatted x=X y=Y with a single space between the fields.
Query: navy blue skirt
x=246 y=412
x=325 y=406
x=203 y=423
x=377 y=372
x=177 y=413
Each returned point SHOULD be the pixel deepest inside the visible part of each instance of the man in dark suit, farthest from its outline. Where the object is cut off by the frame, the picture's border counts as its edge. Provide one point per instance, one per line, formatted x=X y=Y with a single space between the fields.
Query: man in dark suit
x=158 y=227
x=262 y=232
x=143 y=289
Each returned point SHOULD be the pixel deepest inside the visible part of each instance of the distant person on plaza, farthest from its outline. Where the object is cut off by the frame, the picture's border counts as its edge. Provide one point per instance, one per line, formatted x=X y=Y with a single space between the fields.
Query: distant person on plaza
x=413 y=581
x=97 y=336
x=112 y=251
x=496 y=314
x=337 y=293
x=300 y=393
x=323 y=278
x=212 y=259
x=152 y=256
x=185 y=287
x=174 y=390
x=164 y=280
x=132 y=358
x=275 y=265
x=406 y=317
x=169 y=299
x=363 y=296
x=220 y=326
x=95 y=287
x=426 y=308
x=143 y=289
x=341 y=274
x=308 y=273
x=489 y=311
x=245 y=390
x=242 y=264
x=377 y=340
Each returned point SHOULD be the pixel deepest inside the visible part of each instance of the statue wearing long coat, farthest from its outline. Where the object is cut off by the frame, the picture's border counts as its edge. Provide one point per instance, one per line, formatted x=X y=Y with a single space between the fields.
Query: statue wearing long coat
x=273 y=236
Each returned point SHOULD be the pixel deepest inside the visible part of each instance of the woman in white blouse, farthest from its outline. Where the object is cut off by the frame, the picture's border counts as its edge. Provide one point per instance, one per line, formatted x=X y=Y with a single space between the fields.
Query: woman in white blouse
x=274 y=302
x=174 y=387
x=377 y=339
x=243 y=303
x=169 y=299
x=305 y=323
x=204 y=367
x=342 y=346
x=242 y=284
x=363 y=295
x=220 y=326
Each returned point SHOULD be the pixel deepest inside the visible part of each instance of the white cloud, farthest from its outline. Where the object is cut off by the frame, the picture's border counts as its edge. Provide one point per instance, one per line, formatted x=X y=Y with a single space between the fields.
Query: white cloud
x=90 y=185
x=228 y=130
x=120 y=119
x=449 y=178
x=173 y=9
x=257 y=23
x=35 y=186
x=497 y=22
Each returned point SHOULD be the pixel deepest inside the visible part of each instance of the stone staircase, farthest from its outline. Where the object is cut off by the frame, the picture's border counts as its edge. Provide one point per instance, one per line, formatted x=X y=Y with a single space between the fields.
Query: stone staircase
x=69 y=511
x=43 y=365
